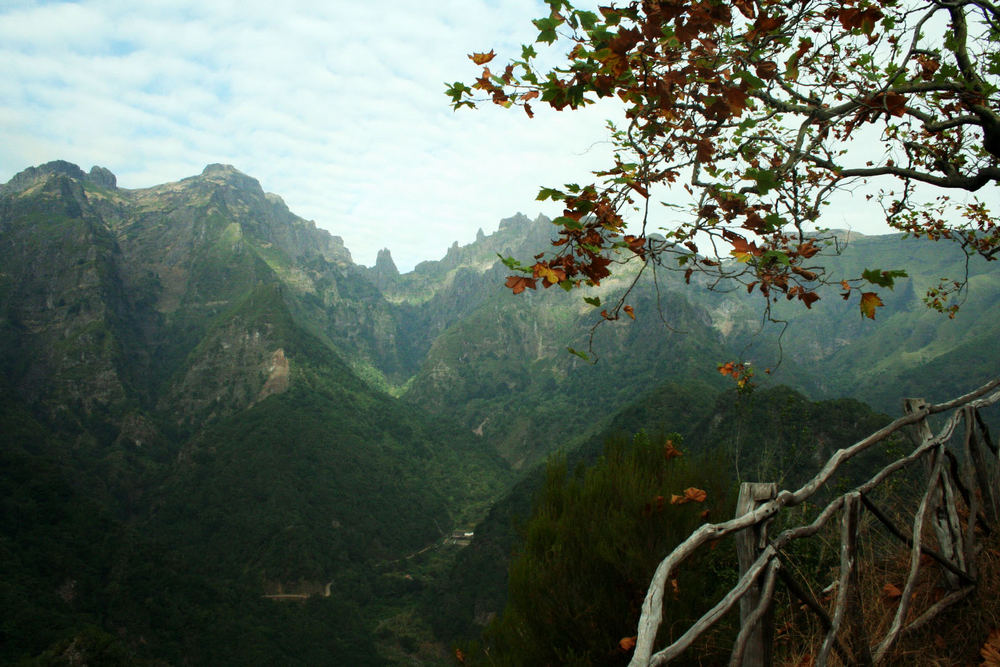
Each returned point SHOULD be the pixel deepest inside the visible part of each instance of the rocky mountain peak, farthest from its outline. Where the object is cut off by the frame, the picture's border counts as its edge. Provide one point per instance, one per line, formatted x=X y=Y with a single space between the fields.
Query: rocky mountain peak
x=386 y=272
x=384 y=263
x=33 y=175
x=519 y=220
x=103 y=177
x=230 y=175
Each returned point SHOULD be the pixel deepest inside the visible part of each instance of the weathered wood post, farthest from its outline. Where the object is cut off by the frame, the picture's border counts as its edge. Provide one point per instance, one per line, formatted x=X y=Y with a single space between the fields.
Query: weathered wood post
x=749 y=543
x=980 y=457
x=947 y=528
x=847 y=612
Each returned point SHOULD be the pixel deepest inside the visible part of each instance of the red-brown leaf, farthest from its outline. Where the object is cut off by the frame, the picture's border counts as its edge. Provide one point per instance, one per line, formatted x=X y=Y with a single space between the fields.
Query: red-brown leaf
x=482 y=58
x=518 y=283
x=869 y=302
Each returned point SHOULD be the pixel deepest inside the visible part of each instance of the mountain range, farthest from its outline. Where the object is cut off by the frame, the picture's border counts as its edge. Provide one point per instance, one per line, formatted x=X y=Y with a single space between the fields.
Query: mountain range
x=206 y=402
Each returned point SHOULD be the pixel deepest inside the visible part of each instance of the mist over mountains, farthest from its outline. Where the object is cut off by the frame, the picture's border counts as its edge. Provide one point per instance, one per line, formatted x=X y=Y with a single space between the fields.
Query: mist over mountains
x=205 y=401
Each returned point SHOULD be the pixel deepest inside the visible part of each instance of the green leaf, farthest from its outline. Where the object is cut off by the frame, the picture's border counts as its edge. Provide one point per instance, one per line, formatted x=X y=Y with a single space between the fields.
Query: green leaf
x=587 y=19
x=766 y=179
x=753 y=82
x=456 y=91
x=512 y=263
x=582 y=355
x=594 y=301
x=774 y=221
x=882 y=278
x=549 y=193
x=775 y=256
x=567 y=222
x=611 y=15
x=546 y=29
x=528 y=52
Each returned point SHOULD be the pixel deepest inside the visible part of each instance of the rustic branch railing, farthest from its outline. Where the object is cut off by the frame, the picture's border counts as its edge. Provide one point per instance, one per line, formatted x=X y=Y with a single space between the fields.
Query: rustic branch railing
x=974 y=482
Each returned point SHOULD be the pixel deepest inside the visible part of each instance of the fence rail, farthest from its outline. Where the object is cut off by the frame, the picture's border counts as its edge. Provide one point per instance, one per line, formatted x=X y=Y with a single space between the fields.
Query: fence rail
x=956 y=487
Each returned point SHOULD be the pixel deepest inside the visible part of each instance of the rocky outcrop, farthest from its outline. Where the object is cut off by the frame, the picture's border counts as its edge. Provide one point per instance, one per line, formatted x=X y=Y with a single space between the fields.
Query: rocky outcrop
x=385 y=273
x=32 y=176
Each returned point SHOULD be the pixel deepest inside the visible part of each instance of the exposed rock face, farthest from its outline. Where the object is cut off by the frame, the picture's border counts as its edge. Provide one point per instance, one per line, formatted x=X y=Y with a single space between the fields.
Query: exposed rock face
x=35 y=175
x=103 y=177
x=386 y=273
x=278 y=377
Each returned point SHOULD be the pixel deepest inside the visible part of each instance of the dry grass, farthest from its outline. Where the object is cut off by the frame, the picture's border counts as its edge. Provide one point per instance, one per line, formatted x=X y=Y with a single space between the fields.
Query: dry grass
x=955 y=637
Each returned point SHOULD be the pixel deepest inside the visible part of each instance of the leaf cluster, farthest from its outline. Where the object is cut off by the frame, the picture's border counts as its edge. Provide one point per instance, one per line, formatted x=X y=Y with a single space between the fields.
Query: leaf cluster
x=763 y=110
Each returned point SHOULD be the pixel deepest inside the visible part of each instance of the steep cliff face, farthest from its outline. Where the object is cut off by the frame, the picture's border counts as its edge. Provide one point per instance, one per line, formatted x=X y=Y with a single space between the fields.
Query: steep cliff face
x=70 y=333
x=130 y=298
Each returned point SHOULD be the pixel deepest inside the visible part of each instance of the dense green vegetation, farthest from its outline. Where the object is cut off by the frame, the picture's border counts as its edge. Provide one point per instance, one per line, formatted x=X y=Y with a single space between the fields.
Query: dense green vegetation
x=595 y=535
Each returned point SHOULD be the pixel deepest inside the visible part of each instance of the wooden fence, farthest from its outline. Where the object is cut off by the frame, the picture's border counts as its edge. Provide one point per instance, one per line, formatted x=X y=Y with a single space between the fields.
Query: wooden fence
x=962 y=483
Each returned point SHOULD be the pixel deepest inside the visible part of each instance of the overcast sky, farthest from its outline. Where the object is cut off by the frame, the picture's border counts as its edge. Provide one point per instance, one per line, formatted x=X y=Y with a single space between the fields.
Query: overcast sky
x=336 y=106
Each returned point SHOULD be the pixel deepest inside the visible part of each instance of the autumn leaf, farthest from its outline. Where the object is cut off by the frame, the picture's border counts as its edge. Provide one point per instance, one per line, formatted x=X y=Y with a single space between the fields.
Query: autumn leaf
x=991 y=650
x=891 y=592
x=549 y=275
x=895 y=104
x=808 y=298
x=691 y=494
x=639 y=188
x=743 y=250
x=629 y=311
x=808 y=249
x=869 y=302
x=482 y=58
x=627 y=643
x=518 y=283
x=696 y=495
x=704 y=150
x=669 y=451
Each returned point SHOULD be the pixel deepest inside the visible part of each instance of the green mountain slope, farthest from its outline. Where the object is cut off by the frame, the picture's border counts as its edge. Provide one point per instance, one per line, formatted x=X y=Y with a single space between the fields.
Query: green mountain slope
x=177 y=358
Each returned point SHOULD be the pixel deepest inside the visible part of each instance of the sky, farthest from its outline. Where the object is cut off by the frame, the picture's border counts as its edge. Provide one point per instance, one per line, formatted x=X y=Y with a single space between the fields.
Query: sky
x=338 y=107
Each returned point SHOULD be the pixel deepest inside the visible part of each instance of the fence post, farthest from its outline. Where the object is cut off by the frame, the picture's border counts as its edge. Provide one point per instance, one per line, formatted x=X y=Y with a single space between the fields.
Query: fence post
x=946 y=527
x=983 y=465
x=749 y=543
